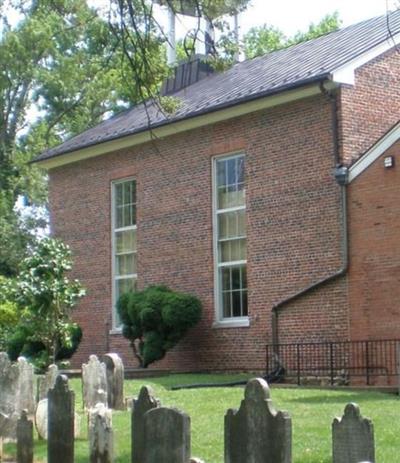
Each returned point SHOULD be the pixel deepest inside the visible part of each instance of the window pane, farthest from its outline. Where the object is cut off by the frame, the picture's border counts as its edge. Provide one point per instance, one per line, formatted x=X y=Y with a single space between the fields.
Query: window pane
x=119 y=194
x=119 y=221
x=225 y=278
x=124 y=285
x=126 y=264
x=232 y=224
x=232 y=250
x=236 y=280
x=226 y=303
x=240 y=170
x=230 y=182
x=221 y=173
x=244 y=304
x=125 y=241
x=236 y=304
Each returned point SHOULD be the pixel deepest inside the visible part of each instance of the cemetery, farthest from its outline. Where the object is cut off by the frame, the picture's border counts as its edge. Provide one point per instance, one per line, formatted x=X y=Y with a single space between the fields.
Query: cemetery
x=102 y=418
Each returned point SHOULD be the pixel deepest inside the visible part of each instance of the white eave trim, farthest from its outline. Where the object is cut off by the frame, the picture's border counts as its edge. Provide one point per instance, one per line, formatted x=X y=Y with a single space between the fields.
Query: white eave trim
x=181 y=126
x=375 y=152
x=346 y=73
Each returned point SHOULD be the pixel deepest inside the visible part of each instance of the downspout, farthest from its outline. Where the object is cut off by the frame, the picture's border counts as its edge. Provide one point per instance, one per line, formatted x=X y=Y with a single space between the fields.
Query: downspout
x=341 y=178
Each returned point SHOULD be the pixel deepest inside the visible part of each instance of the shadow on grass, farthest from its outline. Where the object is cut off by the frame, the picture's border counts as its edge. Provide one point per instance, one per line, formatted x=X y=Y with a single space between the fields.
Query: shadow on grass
x=340 y=398
x=194 y=378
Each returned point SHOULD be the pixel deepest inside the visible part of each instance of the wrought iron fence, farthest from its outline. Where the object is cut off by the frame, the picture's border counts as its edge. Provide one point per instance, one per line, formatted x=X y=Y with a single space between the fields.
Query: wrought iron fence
x=368 y=362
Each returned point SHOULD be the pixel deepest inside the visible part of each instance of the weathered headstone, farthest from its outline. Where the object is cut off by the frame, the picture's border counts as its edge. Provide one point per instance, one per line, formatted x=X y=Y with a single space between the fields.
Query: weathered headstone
x=24 y=439
x=352 y=437
x=46 y=382
x=101 y=435
x=60 y=446
x=115 y=381
x=166 y=436
x=9 y=386
x=141 y=405
x=41 y=420
x=26 y=391
x=256 y=432
x=94 y=382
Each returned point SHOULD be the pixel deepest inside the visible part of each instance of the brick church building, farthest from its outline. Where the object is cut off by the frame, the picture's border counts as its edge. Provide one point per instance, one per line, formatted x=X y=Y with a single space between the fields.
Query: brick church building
x=272 y=194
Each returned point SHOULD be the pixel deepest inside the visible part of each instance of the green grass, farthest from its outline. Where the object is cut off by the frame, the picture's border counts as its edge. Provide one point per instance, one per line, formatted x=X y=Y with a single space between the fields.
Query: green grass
x=312 y=411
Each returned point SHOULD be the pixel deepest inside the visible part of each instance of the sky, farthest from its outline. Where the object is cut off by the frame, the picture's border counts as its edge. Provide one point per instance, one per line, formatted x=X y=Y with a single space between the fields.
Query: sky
x=293 y=15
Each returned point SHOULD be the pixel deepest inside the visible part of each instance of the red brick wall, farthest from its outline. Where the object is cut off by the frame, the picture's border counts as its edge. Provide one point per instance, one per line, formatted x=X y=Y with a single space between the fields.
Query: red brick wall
x=374 y=273
x=371 y=107
x=290 y=193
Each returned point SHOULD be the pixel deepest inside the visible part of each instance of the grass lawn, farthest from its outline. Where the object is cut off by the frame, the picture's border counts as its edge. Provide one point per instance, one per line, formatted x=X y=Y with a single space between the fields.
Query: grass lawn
x=312 y=413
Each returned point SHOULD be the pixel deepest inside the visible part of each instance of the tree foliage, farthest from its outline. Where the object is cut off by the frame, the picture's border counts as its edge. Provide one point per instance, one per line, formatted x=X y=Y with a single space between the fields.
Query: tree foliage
x=156 y=319
x=45 y=298
x=264 y=39
x=62 y=70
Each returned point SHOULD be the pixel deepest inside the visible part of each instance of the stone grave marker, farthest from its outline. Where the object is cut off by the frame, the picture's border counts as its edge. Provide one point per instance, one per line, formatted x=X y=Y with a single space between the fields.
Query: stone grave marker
x=166 y=436
x=94 y=382
x=24 y=439
x=9 y=387
x=101 y=435
x=60 y=446
x=141 y=405
x=352 y=437
x=256 y=432
x=115 y=381
x=26 y=391
x=41 y=420
x=46 y=382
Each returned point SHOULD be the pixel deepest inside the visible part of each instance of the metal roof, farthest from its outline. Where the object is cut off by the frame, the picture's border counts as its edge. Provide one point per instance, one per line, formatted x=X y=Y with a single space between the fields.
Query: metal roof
x=272 y=73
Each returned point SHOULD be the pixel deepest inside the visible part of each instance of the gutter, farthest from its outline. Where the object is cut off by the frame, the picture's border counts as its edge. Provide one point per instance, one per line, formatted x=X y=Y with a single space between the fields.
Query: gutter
x=341 y=176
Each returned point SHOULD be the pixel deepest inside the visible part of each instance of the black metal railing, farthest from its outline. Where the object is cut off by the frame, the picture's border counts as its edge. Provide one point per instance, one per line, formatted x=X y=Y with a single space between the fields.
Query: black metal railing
x=337 y=362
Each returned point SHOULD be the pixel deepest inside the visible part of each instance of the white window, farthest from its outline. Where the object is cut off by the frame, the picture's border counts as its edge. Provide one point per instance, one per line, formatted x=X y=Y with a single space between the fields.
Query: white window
x=123 y=240
x=230 y=239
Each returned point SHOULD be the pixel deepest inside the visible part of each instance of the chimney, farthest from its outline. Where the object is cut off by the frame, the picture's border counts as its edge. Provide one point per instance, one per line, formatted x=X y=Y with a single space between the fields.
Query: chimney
x=186 y=73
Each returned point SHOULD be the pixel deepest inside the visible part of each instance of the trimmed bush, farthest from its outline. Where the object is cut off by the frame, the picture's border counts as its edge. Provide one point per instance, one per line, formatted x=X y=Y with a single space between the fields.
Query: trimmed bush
x=156 y=319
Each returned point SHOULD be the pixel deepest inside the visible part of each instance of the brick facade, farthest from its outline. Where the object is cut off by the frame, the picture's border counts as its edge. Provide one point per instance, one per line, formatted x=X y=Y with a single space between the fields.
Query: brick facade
x=374 y=273
x=293 y=223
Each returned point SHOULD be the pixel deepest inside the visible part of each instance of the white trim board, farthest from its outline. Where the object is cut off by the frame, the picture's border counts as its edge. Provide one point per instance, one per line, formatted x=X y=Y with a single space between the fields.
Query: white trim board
x=382 y=145
x=346 y=74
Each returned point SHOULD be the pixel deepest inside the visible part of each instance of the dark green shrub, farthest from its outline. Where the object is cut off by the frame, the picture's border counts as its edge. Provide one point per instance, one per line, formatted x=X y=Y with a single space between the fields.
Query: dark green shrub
x=156 y=319
x=20 y=343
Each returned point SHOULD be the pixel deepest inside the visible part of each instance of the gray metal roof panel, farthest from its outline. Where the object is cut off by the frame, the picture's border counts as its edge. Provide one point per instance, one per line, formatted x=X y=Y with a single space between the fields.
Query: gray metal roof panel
x=272 y=73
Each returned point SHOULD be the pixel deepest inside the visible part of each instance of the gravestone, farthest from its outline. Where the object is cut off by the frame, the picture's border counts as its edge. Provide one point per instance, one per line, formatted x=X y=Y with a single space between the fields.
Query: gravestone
x=166 y=436
x=47 y=382
x=94 y=382
x=26 y=391
x=9 y=386
x=60 y=446
x=352 y=437
x=41 y=420
x=101 y=434
x=256 y=432
x=24 y=439
x=115 y=381
x=141 y=405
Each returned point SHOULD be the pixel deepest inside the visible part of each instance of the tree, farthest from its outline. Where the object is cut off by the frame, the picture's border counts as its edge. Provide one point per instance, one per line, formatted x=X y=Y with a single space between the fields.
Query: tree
x=264 y=39
x=62 y=70
x=155 y=320
x=45 y=298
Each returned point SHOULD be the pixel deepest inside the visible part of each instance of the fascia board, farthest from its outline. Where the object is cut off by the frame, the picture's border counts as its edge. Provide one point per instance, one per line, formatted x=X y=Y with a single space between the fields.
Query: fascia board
x=346 y=74
x=373 y=153
x=181 y=126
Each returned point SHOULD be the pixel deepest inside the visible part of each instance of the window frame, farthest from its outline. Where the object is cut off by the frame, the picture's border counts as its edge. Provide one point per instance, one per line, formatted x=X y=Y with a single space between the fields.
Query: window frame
x=117 y=329
x=219 y=320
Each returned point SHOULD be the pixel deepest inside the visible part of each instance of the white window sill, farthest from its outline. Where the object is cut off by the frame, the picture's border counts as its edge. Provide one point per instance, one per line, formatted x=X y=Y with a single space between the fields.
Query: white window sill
x=238 y=323
x=115 y=331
